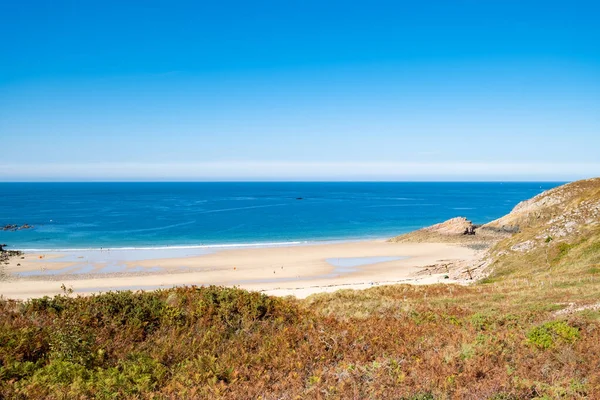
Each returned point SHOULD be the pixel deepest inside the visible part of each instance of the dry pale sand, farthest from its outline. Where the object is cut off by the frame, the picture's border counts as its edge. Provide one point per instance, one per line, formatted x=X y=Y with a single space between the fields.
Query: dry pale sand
x=291 y=270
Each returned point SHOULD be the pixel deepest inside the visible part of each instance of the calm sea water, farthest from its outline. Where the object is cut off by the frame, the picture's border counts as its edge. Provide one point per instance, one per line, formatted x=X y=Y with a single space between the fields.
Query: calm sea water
x=94 y=215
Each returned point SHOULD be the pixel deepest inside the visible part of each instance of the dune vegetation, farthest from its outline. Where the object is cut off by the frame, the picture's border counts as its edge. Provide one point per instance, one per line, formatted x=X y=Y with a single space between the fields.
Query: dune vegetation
x=529 y=330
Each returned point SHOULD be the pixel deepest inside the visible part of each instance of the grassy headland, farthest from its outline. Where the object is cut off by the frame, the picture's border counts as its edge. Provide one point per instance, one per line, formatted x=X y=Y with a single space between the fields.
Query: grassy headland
x=530 y=329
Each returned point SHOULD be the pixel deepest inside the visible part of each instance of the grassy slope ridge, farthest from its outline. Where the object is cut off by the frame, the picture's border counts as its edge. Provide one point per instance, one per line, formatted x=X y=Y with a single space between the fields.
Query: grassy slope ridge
x=559 y=234
x=530 y=330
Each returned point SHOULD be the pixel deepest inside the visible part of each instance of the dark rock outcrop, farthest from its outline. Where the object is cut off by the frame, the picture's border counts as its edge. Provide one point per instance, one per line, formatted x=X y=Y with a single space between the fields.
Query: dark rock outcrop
x=15 y=227
x=5 y=255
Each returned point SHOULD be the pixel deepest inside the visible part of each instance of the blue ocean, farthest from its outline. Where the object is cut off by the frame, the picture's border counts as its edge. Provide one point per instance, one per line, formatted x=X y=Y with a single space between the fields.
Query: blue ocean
x=148 y=215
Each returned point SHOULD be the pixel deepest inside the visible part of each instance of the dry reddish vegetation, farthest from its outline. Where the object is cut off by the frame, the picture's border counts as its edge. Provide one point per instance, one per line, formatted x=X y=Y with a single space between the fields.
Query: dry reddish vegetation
x=389 y=342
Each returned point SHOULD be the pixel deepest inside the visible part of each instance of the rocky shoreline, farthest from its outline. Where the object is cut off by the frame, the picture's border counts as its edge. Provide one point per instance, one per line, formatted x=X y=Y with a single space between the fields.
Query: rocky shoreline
x=5 y=256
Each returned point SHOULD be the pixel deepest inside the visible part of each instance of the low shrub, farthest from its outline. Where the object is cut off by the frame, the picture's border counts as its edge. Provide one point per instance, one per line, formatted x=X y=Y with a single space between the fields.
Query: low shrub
x=551 y=333
x=210 y=342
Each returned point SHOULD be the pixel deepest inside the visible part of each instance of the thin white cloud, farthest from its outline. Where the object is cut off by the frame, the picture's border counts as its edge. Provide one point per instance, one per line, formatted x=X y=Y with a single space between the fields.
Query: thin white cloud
x=282 y=170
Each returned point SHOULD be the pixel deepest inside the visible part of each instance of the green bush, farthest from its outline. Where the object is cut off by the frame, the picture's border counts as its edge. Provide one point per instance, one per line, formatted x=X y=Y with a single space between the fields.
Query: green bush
x=60 y=372
x=549 y=334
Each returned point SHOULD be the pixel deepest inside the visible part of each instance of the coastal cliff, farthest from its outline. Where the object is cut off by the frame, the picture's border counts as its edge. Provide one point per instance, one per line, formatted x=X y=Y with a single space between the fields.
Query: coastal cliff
x=557 y=231
x=557 y=225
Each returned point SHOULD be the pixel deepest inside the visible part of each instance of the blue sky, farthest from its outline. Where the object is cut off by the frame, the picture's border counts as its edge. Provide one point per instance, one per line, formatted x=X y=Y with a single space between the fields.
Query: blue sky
x=307 y=90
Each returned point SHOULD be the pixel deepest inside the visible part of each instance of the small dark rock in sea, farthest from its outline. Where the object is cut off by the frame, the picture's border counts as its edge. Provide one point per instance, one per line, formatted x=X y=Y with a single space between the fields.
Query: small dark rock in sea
x=15 y=227
x=299 y=198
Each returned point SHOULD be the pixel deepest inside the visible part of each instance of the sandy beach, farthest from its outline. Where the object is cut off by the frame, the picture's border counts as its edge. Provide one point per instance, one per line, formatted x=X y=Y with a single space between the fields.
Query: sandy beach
x=283 y=270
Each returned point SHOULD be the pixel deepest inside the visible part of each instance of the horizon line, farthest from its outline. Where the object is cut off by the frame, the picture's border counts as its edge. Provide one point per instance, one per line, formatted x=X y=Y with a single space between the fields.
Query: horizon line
x=302 y=181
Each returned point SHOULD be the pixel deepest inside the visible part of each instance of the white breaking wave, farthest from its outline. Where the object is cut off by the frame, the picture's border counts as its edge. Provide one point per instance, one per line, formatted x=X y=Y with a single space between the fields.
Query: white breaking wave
x=177 y=247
